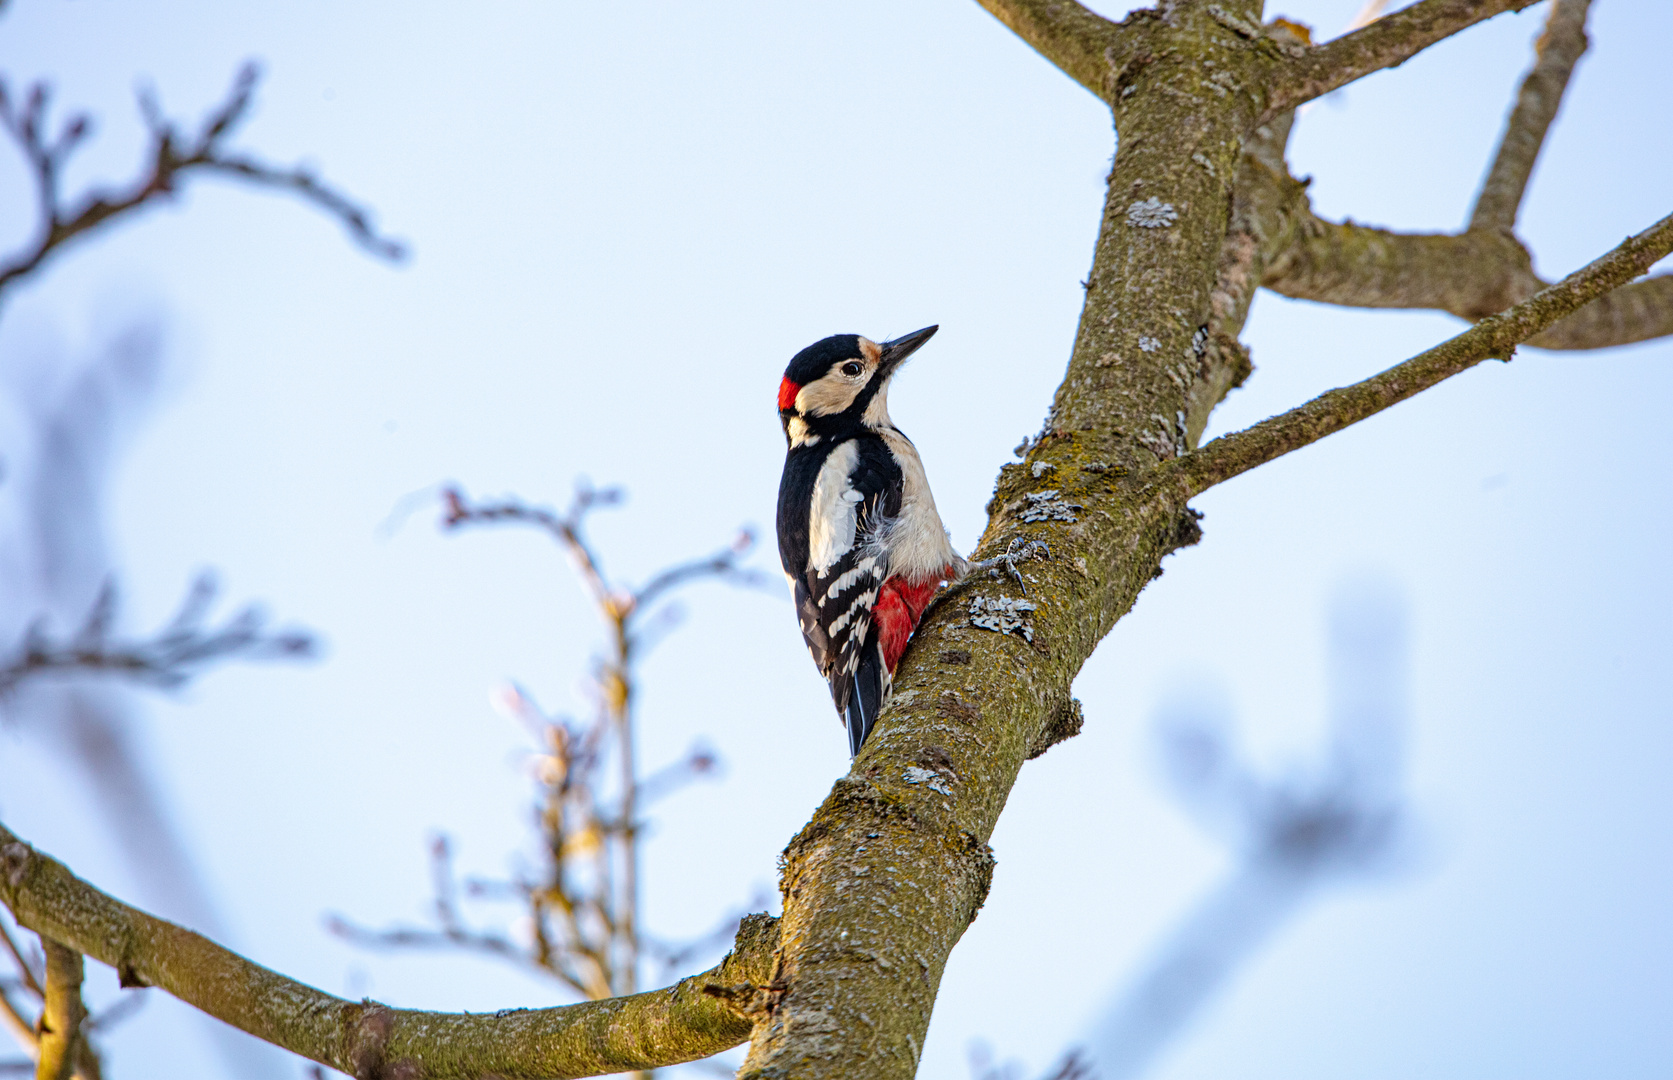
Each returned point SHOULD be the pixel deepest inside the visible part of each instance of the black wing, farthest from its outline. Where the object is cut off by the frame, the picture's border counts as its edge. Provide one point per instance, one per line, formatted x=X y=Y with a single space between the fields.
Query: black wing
x=834 y=605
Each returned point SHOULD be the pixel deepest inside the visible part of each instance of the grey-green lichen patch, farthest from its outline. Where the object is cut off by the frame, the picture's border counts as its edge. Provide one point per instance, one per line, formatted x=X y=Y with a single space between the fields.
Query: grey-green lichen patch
x=1151 y=213
x=917 y=774
x=1003 y=615
x=1048 y=505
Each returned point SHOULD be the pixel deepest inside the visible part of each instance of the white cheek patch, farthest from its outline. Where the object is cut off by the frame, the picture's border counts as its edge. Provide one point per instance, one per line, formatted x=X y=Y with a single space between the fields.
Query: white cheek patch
x=833 y=512
x=828 y=394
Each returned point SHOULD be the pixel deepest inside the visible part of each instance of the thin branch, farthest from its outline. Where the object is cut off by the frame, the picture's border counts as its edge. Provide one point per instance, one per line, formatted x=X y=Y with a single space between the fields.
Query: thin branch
x=722 y=565
x=565 y=528
x=172 y=156
x=1385 y=43
x=453 y=932
x=1494 y=337
x=1081 y=43
x=662 y=1027
x=62 y=1013
x=449 y=937
x=31 y=981
x=13 y=1019
x=1556 y=53
x=175 y=654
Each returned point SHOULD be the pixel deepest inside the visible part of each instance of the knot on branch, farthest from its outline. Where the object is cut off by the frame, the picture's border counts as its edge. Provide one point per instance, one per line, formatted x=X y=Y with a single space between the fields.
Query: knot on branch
x=14 y=860
x=367 y=1037
x=978 y=861
x=1065 y=722
x=756 y=943
x=748 y=1000
x=1186 y=530
x=1222 y=350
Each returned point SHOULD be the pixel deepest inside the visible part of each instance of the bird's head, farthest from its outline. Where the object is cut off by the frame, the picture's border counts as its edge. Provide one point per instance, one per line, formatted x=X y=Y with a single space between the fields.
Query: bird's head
x=840 y=382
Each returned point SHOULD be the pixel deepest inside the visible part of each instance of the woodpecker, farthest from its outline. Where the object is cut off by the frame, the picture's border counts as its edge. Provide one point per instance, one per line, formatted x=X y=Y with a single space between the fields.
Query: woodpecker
x=858 y=533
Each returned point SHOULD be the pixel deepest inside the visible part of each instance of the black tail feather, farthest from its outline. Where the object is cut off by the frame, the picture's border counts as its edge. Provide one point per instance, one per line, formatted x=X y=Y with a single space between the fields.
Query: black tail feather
x=865 y=701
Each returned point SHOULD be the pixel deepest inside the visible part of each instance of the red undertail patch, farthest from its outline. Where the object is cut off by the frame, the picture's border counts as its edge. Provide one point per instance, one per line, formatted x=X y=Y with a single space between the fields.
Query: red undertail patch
x=900 y=604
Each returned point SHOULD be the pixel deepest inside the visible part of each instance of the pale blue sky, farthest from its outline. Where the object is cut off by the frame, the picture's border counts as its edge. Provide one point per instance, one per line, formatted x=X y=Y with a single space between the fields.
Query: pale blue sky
x=625 y=218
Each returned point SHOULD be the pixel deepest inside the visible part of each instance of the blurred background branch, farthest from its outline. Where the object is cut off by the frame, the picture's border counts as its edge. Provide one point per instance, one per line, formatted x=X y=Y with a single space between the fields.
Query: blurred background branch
x=1340 y=818
x=182 y=649
x=171 y=157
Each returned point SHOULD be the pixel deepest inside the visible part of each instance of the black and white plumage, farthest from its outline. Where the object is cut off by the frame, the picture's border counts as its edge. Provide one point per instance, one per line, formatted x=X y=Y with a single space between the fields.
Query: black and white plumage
x=858 y=533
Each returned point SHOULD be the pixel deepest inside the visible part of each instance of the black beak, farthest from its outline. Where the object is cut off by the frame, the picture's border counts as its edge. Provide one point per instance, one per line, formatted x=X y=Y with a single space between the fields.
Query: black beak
x=895 y=352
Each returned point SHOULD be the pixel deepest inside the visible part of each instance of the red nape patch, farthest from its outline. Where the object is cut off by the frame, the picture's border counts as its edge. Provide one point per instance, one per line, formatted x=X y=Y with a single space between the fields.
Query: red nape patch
x=787 y=392
x=899 y=606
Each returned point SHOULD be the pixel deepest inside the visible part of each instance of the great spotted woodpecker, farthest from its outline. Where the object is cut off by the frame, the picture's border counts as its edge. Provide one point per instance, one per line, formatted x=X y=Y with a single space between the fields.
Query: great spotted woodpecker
x=858 y=533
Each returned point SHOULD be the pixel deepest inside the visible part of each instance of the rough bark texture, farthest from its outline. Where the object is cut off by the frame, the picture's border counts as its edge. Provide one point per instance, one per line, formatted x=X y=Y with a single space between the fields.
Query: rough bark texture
x=366 y=1039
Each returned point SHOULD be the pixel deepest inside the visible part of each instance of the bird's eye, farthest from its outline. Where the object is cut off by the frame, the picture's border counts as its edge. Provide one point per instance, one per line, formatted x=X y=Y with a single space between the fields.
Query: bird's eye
x=852 y=368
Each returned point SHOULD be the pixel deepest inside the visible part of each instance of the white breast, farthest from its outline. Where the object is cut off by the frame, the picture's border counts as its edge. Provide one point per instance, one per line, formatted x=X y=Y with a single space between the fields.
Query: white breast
x=915 y=542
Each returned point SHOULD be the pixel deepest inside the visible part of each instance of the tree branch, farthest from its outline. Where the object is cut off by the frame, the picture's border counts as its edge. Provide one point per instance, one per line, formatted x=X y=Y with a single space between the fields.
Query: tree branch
x=1536 y=106
x=1471 y=275
x=1388 y=42
x=173 y=157
x=62 y=1014
x=1082 y=44
x=1494 y=336
x=694 y=1018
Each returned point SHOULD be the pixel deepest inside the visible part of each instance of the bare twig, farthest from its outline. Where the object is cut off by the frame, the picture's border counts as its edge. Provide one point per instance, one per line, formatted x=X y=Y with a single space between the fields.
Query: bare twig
x=1495 y=336
x=1556 y=53
x=172 y=157
x=26 y=970
x=22 y=1029
x=174 y=655
x=1385 y=43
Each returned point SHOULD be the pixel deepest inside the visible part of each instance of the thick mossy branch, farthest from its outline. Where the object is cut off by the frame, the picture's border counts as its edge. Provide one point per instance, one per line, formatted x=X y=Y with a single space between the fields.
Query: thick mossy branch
x=1471 y=275
x=1493 y=337
x=1556 y=53
x=1081 y=43
x=369 y=1040
x=1388 y=42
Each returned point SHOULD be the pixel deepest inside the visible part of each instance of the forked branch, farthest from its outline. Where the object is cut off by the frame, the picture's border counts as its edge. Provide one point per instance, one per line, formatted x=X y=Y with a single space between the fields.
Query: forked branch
x=1385 y=43
x=365 y=1039
x=1493 y=337
x=173 y=156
